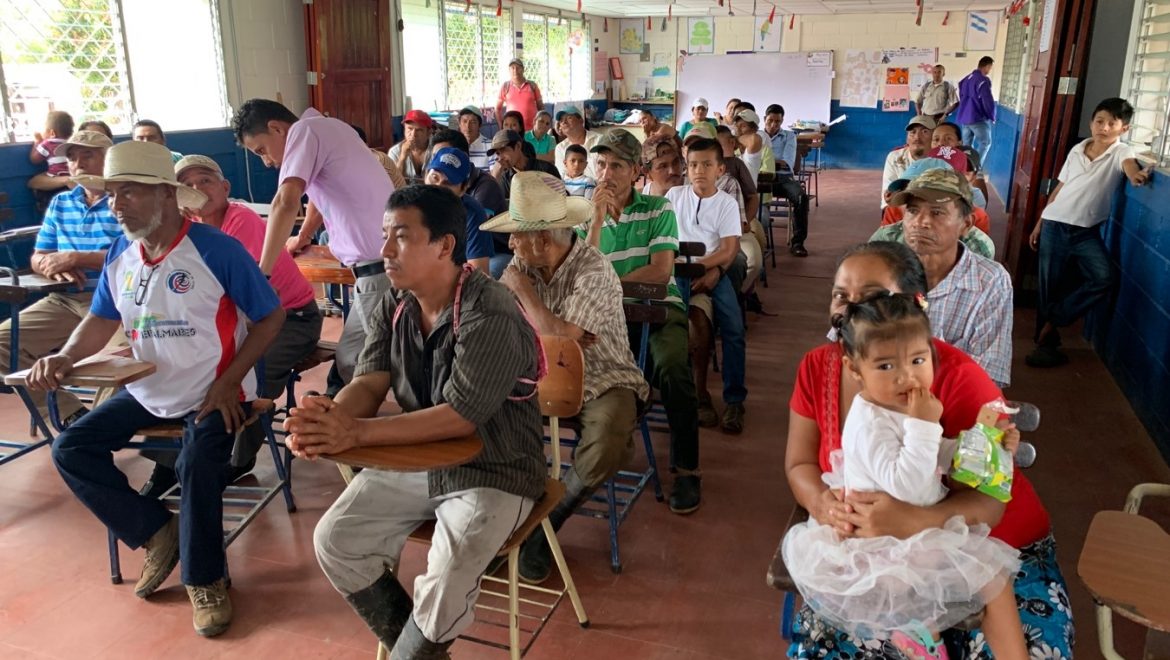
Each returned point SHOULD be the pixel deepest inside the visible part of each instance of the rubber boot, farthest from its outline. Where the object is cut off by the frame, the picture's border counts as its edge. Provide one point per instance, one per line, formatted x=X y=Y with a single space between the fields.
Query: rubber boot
x=385 y=607
x=413 y=645
x=535 y=554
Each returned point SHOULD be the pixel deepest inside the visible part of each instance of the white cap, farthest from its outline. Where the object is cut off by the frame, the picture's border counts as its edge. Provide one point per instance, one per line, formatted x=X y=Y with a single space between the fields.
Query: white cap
x=700 y=103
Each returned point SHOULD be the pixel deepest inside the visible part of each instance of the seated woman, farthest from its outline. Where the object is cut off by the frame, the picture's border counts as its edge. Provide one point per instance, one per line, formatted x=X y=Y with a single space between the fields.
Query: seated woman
x=817 y=411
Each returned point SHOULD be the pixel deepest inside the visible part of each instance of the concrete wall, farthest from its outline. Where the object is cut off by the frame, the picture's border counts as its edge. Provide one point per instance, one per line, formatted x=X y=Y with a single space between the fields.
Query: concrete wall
x=1107 y=56
x=264 y=51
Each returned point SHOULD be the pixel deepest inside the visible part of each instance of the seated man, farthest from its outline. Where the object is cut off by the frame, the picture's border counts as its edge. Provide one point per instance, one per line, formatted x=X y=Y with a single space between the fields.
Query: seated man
x=710 y=216
x=183 y=293
x=970 y=296
x=485 y=189
x=573 y=129
x=894 y=213
x=783 y=143
x=918 y=133
x=639 y=236
x=452 y=376
x=71 y=246
x=508 y=148
x=749 y=263
x=733 y=165
x=148 y=130
x=412 y=154
x=662 y=165
x=569 y=289
x=450 y=169
x=470 y=123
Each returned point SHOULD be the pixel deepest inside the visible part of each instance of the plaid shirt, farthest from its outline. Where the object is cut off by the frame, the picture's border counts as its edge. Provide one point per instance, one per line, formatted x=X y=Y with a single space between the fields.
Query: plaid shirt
x=971 y=309
x=585 y=291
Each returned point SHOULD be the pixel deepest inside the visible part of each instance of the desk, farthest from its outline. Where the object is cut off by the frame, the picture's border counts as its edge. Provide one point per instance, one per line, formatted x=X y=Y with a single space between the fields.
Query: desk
x=319 y=266
x=413 y=458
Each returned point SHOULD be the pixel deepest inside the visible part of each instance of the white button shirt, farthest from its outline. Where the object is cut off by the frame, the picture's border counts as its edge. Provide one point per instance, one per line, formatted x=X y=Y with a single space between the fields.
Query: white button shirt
x=1088 y=186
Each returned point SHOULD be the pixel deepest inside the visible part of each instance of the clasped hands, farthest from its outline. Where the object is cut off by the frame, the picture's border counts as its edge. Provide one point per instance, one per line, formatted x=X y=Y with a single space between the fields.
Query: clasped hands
x=318 y=426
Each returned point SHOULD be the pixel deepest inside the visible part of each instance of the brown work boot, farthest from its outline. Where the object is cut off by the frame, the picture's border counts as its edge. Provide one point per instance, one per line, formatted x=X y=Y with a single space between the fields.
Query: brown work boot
x=213 y=608
x=162 y=554
x=708 y=416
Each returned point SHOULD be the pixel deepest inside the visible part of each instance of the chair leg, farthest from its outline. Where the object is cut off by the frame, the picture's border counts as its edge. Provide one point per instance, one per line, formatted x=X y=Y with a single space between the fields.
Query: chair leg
x=346 y=473
x=278 y=462
x=383 y=654
x=652 y=461
x=1105 y=633
x=115 y=562
x=514 y=596
x=786 y=615
x=615 y=562
x=554 y=431
x=566 y=578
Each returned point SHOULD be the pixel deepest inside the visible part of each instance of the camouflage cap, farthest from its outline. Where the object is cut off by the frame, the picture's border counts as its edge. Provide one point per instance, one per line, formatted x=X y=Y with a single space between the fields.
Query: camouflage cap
x=702 y=130
x=936 y=186
x=621 y=143
x=650 y=148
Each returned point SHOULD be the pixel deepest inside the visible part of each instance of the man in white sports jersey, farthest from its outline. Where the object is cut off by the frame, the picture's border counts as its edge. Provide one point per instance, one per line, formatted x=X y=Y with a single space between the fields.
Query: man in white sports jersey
x=183 y=293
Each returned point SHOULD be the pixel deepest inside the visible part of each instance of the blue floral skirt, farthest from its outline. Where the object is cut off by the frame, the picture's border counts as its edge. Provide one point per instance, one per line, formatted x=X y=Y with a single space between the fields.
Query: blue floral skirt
x=1040 y=594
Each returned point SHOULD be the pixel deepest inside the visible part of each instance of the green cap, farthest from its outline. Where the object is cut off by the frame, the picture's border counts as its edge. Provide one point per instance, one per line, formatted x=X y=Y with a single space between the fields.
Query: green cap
x=621 y=143
x=936 y=186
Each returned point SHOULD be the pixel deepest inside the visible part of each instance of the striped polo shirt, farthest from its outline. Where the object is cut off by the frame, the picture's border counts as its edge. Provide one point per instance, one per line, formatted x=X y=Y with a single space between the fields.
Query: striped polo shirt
x=647 y=225
x=72 y=225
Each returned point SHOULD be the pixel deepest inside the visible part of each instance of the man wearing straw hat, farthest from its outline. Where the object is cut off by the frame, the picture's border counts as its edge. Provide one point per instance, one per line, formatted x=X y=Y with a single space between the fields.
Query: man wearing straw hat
x=569 y=289
x=183 y=293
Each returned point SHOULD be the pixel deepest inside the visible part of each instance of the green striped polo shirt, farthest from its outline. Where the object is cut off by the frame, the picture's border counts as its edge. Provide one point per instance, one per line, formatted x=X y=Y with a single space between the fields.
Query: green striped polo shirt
x=647 y=225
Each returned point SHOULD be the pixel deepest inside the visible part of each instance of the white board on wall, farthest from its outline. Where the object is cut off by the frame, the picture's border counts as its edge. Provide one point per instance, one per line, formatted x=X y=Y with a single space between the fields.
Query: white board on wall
x=760 y=78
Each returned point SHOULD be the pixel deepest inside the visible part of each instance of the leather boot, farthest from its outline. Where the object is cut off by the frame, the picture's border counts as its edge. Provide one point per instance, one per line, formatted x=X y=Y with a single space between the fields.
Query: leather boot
x=535 y=554
x=413 y=645
x=385 y=607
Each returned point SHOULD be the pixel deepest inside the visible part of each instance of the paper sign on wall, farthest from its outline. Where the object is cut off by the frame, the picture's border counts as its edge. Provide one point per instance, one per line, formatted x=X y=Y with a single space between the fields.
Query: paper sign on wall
x=861 y=78
x=896 y=97
x=767 y=35
x=630 y=36
x=700 y=35
x=820 y=58
x=982 y=27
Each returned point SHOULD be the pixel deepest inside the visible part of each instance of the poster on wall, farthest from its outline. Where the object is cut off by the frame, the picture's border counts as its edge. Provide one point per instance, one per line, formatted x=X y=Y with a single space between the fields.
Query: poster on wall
x=661 y=65
x=767 y=35
x=700 y=35
x=982 y=27
x=896 y=97
x=861 y=78
x=631 y=36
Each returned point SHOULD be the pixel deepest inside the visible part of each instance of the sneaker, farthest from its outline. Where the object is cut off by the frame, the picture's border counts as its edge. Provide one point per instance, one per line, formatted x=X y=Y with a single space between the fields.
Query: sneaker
x=733 y=419
x=535 y=558
x=708 y=416
x=1046 y=356
x=797 y=250
x=685 y=496
x=213 y=608
x=162 y=555
x=161 y=480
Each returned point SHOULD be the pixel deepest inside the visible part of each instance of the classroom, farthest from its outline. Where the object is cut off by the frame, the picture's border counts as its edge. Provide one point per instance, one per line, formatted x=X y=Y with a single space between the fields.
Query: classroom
x=695 y=329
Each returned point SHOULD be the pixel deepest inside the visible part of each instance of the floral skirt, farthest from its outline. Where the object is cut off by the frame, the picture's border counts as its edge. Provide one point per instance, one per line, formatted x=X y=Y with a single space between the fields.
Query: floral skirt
x=1040 y=594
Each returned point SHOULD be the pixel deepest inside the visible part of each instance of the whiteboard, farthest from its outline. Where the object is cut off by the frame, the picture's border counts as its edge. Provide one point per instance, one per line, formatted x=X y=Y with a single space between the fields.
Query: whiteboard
x=760 y=78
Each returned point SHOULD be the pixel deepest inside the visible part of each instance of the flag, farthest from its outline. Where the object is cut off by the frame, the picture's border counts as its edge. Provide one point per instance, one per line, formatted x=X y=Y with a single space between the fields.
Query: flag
x=772 y=15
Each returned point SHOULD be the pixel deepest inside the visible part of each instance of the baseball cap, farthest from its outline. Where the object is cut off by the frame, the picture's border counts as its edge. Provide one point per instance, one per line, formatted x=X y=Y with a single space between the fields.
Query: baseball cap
x=651 y=145
x=472 y=110
x=939 y=185
x=702 y=130
x=974 y=161
x=516 y=61
x=748 y=116
x=700 y=103
x=92 y=139
x=569 y=110
x=418 y=117
x=953 y=156
x=915 y=170
x=923 y=121
x=187 y=162
x=504 y=138
x=453 y=163
x=621 y=143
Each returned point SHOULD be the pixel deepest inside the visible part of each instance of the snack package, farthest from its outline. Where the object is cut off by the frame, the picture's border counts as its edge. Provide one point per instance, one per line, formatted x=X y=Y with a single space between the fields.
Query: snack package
x=981 y=461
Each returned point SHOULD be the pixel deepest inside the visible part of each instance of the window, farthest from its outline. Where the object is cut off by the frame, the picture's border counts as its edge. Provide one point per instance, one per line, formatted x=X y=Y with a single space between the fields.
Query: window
x=478 y=47
x=98 y=59
x=557 y=56
x=1148 y=76
x=1017 y=58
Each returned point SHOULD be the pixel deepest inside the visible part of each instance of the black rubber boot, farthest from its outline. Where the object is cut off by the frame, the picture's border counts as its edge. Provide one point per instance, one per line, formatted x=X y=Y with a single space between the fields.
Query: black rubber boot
x=413 y=645
x=385 y=607
x=535 y=554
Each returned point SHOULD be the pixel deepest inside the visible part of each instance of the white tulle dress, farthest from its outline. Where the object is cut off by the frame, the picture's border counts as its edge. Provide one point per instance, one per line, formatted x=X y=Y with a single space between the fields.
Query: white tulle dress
x=873 y=587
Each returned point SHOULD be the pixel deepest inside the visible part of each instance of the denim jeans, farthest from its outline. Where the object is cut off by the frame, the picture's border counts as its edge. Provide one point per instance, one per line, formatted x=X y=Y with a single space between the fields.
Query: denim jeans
x=84 y=455
x=729 y=320
x=1075 y=272
x=979 y=132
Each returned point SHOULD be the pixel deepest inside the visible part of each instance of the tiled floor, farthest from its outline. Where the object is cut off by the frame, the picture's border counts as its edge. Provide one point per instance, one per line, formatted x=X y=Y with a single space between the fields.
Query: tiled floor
x=692 y=587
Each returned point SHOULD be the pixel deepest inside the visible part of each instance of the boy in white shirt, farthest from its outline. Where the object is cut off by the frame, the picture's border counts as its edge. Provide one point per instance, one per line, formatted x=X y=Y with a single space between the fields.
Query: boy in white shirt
x=577 y=183
x=1068 y=236
x=710 y=216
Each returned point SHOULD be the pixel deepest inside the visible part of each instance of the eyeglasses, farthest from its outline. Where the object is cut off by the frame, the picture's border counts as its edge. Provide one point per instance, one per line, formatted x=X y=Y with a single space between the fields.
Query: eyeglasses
x=143 y=284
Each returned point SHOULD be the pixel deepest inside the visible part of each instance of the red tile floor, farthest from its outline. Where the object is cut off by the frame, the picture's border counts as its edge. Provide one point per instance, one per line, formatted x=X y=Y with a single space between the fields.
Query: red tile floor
x=692 y=587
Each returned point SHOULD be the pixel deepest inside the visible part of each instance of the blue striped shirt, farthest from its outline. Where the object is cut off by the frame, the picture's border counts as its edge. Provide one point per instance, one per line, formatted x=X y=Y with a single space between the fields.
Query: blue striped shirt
x=580 y=186
x=72 y=225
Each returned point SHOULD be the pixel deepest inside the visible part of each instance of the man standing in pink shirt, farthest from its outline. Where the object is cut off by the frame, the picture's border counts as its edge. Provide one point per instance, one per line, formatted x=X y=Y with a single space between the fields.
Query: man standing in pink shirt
x=323 y=158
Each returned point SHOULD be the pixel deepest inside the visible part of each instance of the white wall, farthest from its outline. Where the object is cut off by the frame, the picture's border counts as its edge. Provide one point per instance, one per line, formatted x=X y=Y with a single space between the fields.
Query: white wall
x=264 y=51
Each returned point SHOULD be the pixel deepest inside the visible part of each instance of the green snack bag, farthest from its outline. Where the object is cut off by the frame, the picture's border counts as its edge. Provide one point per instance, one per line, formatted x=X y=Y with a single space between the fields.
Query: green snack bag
x=981 y=461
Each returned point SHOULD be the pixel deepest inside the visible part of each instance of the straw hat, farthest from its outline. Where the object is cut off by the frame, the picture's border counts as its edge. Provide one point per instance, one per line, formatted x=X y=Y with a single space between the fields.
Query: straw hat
x=142 y=162
x=538 y=202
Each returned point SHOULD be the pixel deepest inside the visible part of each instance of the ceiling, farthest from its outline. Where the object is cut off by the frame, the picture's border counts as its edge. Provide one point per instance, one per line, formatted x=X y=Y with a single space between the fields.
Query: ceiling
x=639 y=8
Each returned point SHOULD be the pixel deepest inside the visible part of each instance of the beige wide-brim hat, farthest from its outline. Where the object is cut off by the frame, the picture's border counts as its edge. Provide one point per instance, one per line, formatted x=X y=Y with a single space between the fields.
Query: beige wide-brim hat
x=539 y=202
x=142 y=162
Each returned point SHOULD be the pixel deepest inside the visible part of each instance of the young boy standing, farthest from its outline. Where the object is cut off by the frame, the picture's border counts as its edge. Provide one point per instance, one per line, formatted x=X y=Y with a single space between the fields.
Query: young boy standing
x=1068 y=237
x=577 y=182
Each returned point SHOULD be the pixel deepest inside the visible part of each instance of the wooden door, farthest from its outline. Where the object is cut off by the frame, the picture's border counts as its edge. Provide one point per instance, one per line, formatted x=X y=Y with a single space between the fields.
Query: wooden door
x=348 y=46
x=1049 y=128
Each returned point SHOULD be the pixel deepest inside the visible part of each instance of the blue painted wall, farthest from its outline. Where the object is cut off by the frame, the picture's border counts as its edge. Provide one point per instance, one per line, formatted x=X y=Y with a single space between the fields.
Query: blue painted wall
x=1001 y=162
x=864 y=139
x=1132 y=334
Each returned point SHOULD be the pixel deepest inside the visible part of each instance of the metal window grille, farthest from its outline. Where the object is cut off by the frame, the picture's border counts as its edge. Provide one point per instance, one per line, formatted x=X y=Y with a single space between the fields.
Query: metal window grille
x=1148 y=76
x=1017 y=62
x=477 y=45
x=562 y=71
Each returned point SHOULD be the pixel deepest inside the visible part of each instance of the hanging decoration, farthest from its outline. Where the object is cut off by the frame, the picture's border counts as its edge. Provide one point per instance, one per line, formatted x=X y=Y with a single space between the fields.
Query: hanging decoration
x=578 y=6
x=730 y=11
x=649 y=23
x=946 y=17
x=792 y=22
x=468 y=8
x=604 y=24
x=499 y=8
x=918 y=20
x=670 y=11
x=664 y=24
x=772 y=15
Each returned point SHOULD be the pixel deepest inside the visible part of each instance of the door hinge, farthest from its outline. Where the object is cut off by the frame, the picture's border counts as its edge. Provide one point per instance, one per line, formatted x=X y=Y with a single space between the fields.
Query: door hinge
x=311 y=78
x=1067 y=85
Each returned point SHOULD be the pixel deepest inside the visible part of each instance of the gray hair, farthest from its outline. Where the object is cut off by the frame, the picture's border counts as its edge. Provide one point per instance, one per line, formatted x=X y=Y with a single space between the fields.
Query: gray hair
x=562 y=237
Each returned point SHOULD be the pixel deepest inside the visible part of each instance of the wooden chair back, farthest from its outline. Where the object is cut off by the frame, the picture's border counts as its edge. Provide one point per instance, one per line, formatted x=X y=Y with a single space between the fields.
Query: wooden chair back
x=562 y=392
x=1125 y=565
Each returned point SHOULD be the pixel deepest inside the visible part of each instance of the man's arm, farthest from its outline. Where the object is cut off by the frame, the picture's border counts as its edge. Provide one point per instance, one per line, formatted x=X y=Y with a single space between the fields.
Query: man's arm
x=285 y=206
x=988 y=101
x=223 y=395
x=542 y=317
x=51 y=263
x=1134 y=171
x=537 y=96
x=728 y=248
x=658 y=271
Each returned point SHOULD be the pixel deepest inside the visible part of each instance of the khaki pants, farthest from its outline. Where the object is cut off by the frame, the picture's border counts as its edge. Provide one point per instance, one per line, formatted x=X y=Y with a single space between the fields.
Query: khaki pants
x=607 y=432
x=750 y=247
x=45 y=326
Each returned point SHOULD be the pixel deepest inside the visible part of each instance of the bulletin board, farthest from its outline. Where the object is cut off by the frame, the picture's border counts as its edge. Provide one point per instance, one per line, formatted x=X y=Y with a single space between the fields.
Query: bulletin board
x=804 y=90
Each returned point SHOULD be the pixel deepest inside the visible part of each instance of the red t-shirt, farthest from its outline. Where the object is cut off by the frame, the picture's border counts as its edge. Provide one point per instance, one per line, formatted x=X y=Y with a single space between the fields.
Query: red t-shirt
x=962 y=387
x=242 y=224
